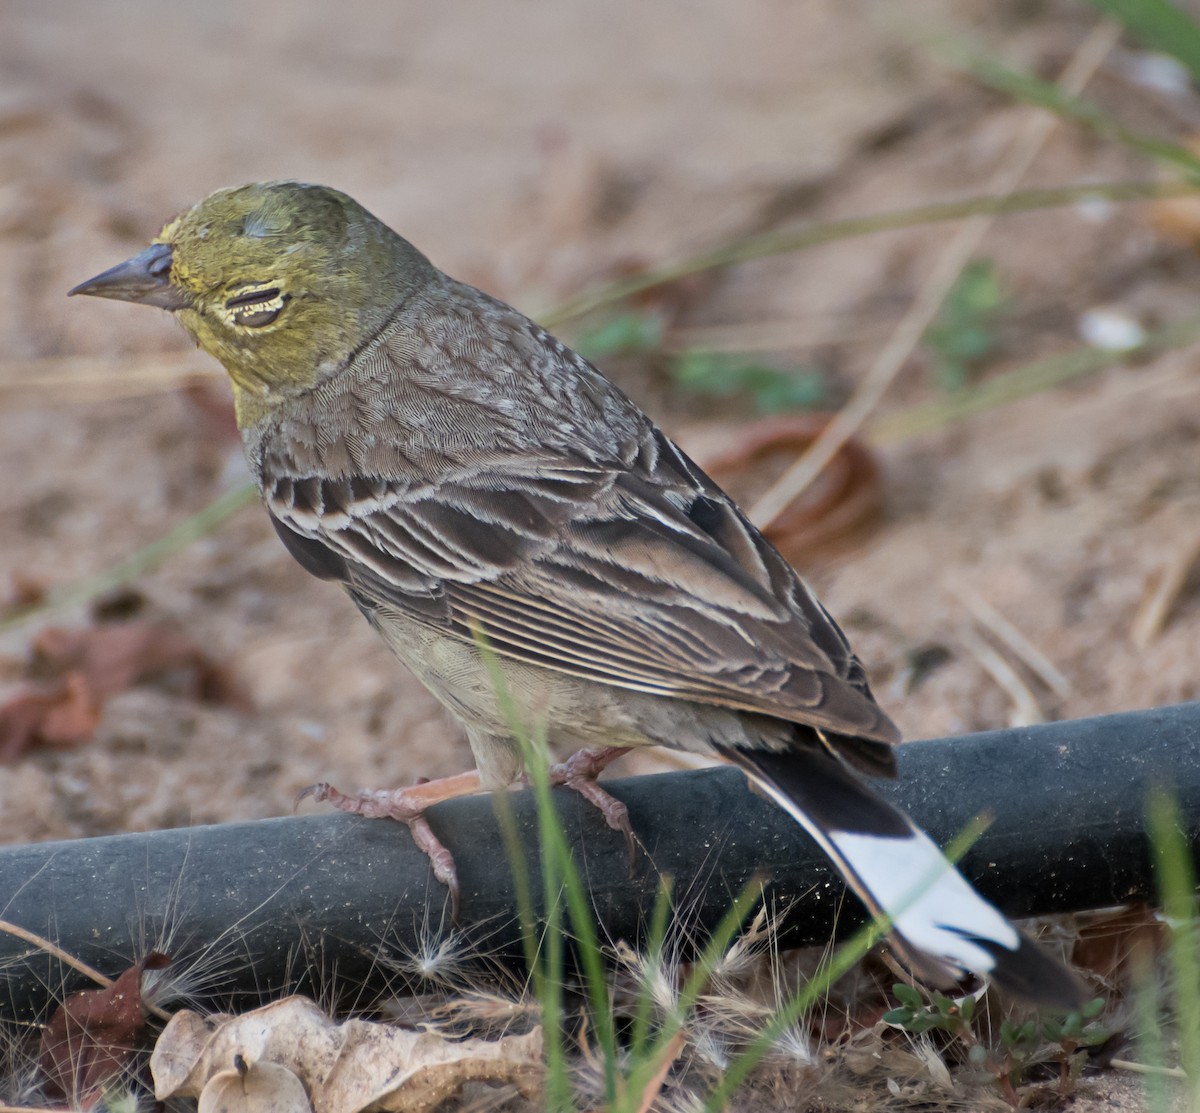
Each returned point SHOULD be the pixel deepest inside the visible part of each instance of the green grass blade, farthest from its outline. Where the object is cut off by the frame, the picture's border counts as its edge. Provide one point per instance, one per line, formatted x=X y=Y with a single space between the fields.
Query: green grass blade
x=768 y=244
x=693 y=986
x=1177 y=890
x=522 y=885
x=1147 y=1021
x=565 y=871
x=842 y=961
x=1045 y=94
x=1026 y=381
x=562 y=882
x=558 y=1075
x=1161 y=26
x=190 y=530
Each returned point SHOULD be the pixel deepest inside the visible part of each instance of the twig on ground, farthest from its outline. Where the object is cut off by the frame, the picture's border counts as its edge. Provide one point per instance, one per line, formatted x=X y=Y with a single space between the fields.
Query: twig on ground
x=1008 y=635
x=1026 y=709
x=917 y=320
x=137 y=564
x=774 y=336
x=1164 y=588
x=1025 y=382
x=767 y=244
x=44 y=944
x=654 y=1083
x=1148 y=1068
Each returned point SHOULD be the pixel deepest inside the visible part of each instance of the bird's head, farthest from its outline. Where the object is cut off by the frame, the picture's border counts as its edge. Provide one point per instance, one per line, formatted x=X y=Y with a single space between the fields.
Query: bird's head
x=280 y=281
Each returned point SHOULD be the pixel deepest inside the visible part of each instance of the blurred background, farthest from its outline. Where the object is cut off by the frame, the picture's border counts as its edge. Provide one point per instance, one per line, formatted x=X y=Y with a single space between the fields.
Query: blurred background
x=1010 y=535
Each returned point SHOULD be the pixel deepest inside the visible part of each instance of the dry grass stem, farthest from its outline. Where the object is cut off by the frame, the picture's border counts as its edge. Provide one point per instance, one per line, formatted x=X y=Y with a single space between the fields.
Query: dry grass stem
x=1033 y=378
x=1008 y=635
x=138 y=563
x=53 y=372
x=88 y=394
x=1163 y=590
x=766 y=245
x=44 y=944
x=1148 y=1068
x=1026 y=709
x=920 y=316
x=70 y=960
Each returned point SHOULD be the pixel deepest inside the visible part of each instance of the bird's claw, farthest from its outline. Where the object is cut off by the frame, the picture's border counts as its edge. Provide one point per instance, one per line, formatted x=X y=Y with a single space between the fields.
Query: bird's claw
x=579 y=773
x=317 y=792
x=402 y=806
x=440 y=859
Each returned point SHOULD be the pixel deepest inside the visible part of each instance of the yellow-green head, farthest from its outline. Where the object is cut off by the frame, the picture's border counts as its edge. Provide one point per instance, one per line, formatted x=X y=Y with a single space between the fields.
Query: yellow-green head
x=280 y=281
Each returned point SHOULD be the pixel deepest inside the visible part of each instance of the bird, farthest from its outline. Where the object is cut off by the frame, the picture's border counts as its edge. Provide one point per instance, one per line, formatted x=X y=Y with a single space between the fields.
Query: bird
x=491 y=502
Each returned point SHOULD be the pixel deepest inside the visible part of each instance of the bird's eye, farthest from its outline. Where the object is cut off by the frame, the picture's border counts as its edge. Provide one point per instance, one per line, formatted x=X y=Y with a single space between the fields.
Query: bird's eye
x=257 y=307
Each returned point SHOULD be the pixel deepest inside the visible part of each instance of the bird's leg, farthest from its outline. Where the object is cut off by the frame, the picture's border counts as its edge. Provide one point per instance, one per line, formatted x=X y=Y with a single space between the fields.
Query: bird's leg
x=408 y=805
x=579 y=773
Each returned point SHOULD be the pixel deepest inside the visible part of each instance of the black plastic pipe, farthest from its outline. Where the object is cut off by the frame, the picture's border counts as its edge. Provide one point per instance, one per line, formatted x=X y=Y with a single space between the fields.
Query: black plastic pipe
x=278 y=900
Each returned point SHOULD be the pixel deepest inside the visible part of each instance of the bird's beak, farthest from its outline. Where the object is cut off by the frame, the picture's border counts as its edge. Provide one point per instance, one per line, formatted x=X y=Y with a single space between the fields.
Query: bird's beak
x=146 y=279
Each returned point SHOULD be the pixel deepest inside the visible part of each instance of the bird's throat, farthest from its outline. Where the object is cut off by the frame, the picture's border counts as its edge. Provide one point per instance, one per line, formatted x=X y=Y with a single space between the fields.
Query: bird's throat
x=250 y=403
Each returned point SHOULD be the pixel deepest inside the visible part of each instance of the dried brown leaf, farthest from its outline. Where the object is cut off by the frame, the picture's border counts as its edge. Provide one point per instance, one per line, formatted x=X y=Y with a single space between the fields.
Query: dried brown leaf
x=72 y=672
x=94 y=1032
x=118 y=657
x=62 y=714
x=846 y=497
x=344 y=1068
x=1177 y=219
x=24 y=592
x=1108 y=940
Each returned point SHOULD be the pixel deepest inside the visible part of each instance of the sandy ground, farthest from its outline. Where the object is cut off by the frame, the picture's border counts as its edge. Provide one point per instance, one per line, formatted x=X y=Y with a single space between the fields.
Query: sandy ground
x=534 y=150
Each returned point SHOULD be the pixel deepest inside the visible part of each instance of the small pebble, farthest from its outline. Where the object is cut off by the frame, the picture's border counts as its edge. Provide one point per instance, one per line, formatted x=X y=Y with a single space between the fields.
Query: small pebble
x=1111 y=330
x=1095 y=210
x=1159 y=72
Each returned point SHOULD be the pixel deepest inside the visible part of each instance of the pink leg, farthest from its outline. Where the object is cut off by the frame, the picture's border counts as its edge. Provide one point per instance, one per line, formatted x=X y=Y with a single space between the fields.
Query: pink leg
x=579 y=773
x=408 y=805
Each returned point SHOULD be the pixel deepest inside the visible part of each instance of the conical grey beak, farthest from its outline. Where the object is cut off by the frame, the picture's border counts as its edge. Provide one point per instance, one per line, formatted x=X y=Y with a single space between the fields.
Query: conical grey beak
x=146 y=279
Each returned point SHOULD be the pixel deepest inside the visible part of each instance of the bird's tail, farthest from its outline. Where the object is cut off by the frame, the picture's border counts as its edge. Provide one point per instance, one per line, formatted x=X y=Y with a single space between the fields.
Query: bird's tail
x=943 y=926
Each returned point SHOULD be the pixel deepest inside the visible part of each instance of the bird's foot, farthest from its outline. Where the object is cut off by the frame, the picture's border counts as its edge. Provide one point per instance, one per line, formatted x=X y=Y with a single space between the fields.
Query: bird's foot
x=408 y=806
x=579 y=773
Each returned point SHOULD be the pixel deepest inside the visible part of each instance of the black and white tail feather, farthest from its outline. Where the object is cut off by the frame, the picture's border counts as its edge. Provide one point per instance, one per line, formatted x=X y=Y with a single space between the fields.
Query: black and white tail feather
x=942 y=926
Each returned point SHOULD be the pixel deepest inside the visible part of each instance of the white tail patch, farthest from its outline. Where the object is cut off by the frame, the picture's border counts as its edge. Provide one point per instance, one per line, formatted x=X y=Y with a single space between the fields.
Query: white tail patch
x=932 y=907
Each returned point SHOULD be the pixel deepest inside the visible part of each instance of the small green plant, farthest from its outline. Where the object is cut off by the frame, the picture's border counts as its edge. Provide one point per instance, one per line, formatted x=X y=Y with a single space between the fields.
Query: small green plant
x=1161 y=25
x=964 y=334
x=916 y=1014
x=635 y=1044
x=771 y=389
x=715 y=374
x=629 y=332
x=1020 y=1046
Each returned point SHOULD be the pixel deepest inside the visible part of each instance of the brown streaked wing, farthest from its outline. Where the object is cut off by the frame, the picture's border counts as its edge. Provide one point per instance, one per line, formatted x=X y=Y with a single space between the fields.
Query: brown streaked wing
x=649 y=580
x=618 y=616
